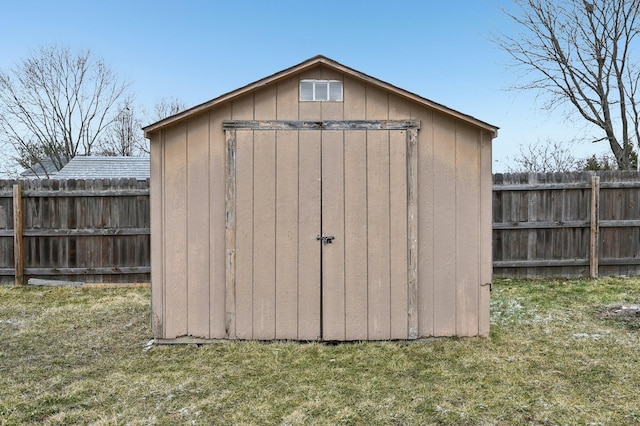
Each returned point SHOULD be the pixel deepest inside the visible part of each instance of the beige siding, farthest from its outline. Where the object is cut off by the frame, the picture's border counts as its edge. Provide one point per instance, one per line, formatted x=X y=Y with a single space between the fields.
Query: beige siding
x=444 y=232
x=198 y=254
x=453 y=212
x=486 y=270
x=287 y=100
x=287 y=237
x=333 y=285
x=175 y=235
x=426 y=225
x=308 y=226
x=467 y=214
x=365 y=295
x=264 y=235
x=244 y=235
x=354 y=93
x=355 y=212
x=157 y=236
x=217 y=249
x=398 y=260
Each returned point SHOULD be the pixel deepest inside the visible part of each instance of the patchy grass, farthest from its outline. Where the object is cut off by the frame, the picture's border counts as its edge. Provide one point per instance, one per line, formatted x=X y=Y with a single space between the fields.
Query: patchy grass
x=560 y=352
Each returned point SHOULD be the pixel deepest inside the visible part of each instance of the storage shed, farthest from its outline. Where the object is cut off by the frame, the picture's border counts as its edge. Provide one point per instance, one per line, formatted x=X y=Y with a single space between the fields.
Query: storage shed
x=320 y=203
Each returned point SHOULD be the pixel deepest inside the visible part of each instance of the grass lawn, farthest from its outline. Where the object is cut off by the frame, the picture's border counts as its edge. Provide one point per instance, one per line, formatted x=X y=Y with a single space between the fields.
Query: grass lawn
x=560 y=352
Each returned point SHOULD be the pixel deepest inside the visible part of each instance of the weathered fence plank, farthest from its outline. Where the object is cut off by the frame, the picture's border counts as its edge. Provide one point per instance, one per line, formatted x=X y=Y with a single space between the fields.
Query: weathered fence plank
x=18 y=250
x=595 y=229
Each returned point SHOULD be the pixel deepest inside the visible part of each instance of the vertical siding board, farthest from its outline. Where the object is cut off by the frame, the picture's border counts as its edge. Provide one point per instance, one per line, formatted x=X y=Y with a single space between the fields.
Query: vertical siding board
x=398 y=233
x=486 y=266
x=265 y=103
x=198 y=253
x=309 y=287
x=376 y=103
x=175 y=249
x=286 y=291
x=264 y=234
x=264 y=218
x=244 y=235
x=378 y=238
x=426 y=225
x=445 y=274
x=399 y=109
x=354 y=99
x=243 y=108
x=217 y=219
x=287 y=100
x=333 y=285
x=467 y=230
x=355 y=198
x=156 y=191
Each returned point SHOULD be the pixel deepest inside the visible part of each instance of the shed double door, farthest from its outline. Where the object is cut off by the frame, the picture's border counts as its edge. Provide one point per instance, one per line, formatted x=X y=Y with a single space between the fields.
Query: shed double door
x=319 y=241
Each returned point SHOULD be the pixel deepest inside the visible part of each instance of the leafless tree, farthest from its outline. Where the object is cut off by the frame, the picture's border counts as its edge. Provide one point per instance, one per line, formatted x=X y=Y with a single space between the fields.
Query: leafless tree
x=582 y=54
x=544 y=157
x=56 y=104
x=167 y=107
x=124 y=137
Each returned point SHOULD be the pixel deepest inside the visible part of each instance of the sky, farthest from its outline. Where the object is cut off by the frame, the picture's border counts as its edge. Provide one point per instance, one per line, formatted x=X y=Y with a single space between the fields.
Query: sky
x=196 y=50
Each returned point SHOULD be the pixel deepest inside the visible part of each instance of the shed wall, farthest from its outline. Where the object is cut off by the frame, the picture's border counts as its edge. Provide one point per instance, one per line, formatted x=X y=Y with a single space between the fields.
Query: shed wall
x=188 y=208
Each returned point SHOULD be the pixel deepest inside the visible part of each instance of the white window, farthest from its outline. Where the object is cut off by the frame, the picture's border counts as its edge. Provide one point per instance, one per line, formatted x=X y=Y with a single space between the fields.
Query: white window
x=321 y=90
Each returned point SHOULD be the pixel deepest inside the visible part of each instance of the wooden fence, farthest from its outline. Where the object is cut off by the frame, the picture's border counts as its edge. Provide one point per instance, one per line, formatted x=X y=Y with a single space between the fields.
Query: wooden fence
x=571 y=224
x=78 y=230
x=576 y=224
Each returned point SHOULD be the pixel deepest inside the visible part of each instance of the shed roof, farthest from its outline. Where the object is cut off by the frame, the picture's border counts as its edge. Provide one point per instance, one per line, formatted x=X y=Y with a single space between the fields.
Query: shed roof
x=303 y=66
x=90 y=167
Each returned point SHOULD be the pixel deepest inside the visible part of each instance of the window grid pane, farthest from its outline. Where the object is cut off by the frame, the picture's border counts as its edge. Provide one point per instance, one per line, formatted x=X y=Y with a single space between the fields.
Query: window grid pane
x=335 y=91
x=306 y=90
x=321 y=91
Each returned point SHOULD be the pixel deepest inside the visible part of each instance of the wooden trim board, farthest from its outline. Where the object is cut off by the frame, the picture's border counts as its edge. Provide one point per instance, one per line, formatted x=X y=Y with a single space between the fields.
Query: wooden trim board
x=411 y=127
x=321 y=125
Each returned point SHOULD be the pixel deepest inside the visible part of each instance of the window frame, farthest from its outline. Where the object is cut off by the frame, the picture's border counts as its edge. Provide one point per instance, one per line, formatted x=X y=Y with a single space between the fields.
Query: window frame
x=328 y=87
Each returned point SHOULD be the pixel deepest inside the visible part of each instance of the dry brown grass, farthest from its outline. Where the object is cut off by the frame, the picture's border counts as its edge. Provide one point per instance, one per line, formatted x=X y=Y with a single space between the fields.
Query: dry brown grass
x=557 y=354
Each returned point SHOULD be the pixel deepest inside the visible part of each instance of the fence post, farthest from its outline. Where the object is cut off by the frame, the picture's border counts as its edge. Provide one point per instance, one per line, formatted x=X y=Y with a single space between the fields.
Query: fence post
x=595 y=226
x=17 y=235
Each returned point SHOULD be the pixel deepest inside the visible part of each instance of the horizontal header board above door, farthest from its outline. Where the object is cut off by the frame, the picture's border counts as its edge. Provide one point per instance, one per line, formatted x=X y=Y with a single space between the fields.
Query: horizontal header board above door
x=321 y=125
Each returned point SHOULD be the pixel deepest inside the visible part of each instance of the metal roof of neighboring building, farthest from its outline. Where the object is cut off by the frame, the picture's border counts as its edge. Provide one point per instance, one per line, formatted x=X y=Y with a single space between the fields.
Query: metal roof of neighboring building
x=91 y=167
x=46 y=169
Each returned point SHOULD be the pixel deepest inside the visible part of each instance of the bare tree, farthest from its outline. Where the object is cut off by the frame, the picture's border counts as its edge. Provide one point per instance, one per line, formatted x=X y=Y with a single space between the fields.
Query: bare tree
x=167 y=107
x=580 y=53
x=544 y=157
x=56 y=104
x=124 y=137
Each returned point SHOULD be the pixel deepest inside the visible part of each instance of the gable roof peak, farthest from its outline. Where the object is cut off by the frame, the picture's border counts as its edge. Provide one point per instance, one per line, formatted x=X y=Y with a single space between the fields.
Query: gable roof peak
x=302 y=66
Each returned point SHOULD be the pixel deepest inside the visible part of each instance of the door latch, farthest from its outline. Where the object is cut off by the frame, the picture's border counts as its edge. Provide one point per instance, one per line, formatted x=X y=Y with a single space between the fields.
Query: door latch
x=326 y=239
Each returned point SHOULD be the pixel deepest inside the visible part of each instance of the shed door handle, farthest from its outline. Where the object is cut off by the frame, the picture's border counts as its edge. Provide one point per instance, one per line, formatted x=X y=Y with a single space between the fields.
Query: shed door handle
x=326 y=239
